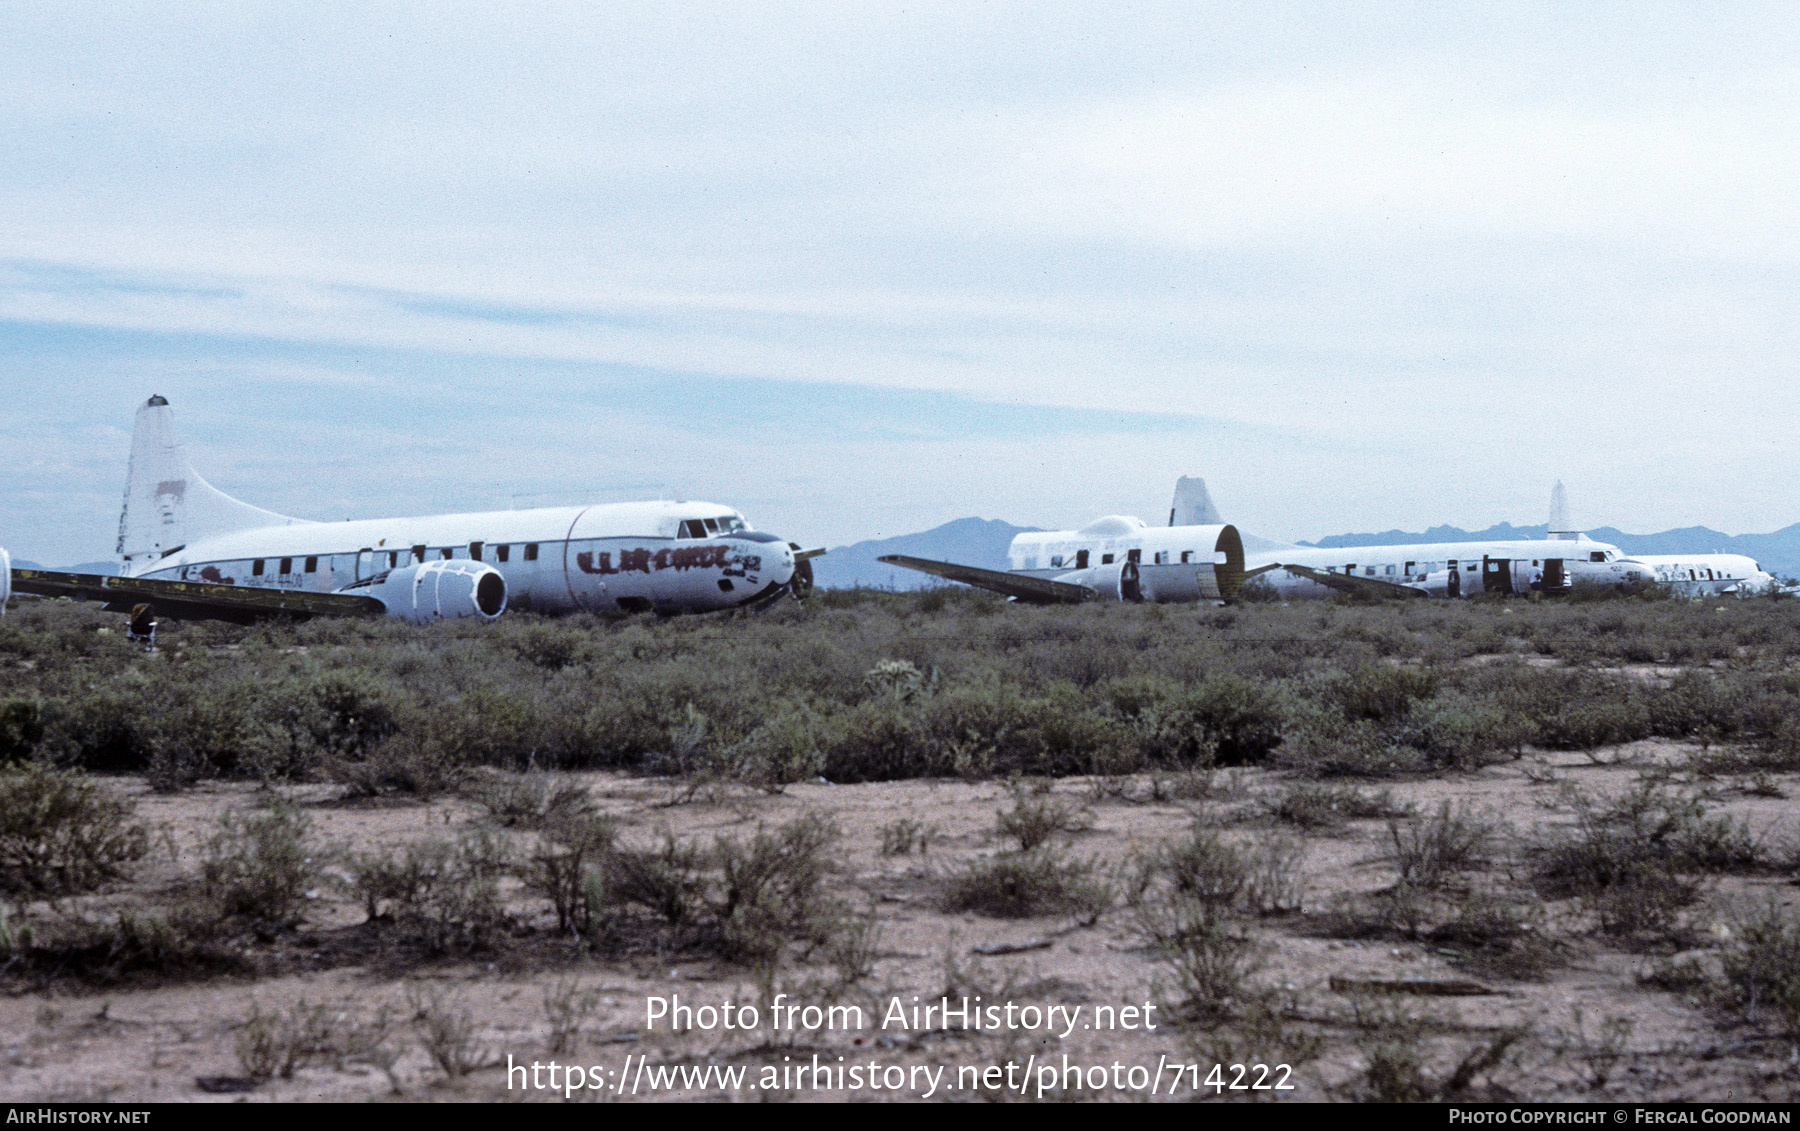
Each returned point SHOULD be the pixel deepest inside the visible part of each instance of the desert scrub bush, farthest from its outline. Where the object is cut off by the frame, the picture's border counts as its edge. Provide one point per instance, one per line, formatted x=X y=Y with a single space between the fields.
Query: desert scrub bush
x=1262 y=878
x=446 y=1029
x=1037 y=816
x=567 y=1006
x=22 y=727
x=259 y=867
x=61 y=832
x=1498 y=934
x=1027 y=885
x=1395 y=1053
x=904 y=836
x=529 y=801
x=408 y=763
x=281 y=1043
x=772 y=886
x=1638 y=860
x=1223 y=717
x=569 y=867
x=1316 y=805
x=1209 y=954
x=1759 y=974
x=445 y=894
x=669 y=880
x=158 y=943
x=1430 y=851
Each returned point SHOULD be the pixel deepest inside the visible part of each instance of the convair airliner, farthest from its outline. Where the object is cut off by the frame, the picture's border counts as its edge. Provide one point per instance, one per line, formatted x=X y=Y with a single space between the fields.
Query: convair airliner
x=1197 y=557
x=1686 y=575
x=188 y=549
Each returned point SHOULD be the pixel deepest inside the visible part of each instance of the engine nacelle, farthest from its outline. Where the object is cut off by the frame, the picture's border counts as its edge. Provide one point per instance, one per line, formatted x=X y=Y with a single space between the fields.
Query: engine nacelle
x=1120 y=581
x=441 y=590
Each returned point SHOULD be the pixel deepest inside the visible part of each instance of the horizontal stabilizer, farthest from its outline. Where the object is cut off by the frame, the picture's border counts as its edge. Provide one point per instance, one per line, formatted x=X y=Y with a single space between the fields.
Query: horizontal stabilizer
x=1350 y=583
x=195 y=600
x=1035 y=590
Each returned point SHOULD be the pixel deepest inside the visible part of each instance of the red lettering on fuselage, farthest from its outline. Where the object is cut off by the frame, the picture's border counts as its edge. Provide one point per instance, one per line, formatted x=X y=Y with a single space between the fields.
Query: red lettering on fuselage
x=647 y=561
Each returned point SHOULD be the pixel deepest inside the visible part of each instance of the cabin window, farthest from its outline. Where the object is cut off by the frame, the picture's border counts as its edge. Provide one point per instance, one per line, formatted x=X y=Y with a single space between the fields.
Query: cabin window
x=1368 y=571
x=393 y=559
x=256 y=568
x=531 y=551
x=500 y=551
x=1081 y=559
x=1030 y=563
x=1056 y=561
x=1409 y=568
x=418 y=553
x=1187 y=556
x=474 y=551
x=1134 y=555
x=312 y=565
x=1161 y=558
x=1390 y=571
x=1350 y=569
x=448 y=553
x=1106 y=559
x=1691 y=576
x=287 y=565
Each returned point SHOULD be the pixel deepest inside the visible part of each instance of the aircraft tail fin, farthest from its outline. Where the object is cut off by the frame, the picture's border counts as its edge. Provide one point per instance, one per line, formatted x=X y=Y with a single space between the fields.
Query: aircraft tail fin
x=1193 y=506
x=1561 y=528
x=167 y=504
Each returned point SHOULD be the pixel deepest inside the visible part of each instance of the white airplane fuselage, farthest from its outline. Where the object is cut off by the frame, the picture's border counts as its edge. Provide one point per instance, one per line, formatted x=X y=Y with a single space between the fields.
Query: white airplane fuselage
x=1165 y=558
x=630 y=557
x=1709 y=575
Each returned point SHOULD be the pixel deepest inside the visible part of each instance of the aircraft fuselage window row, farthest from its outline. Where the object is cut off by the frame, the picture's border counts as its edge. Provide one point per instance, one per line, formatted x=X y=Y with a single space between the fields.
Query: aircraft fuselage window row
x=1081 y=557
x=346 y=563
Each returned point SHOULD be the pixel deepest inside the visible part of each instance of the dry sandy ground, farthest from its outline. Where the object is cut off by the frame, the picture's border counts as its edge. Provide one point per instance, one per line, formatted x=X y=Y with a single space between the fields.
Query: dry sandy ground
x=1596 y=1030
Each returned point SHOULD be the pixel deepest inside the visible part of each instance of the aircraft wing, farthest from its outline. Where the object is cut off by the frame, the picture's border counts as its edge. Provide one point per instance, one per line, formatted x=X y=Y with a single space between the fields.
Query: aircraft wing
x=194 y=600
x=807 y=555
x=1036 y=590
x=1350 y=583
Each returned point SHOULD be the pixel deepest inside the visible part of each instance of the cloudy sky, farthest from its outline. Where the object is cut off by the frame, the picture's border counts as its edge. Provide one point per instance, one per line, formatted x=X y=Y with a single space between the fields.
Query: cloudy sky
x=862 y=270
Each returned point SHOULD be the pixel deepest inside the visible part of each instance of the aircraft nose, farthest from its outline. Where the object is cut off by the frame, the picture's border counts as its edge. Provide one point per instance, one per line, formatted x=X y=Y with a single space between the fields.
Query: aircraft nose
x=781 y=571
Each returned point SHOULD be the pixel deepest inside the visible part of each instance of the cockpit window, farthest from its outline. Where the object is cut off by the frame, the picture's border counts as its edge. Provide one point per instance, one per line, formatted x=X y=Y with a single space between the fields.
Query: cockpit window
x=727 y=523
x=1597 y=556
x=711 y=525
x=692 y=528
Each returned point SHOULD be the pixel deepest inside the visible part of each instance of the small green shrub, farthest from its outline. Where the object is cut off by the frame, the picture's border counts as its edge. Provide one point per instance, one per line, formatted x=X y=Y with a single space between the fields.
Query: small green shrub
x=1025 y=885
x=259 y=867
x=1428 y=851
x=1037 y=817
x=61 y=832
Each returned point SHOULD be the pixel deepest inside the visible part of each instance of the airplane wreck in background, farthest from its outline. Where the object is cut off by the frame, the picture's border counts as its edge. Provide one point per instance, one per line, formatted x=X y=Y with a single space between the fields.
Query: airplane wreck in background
x=1198 y=557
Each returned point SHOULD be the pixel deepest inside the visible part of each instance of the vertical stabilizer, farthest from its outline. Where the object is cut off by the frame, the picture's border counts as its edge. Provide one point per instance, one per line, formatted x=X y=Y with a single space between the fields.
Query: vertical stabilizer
x=1193 y=506
x=167 y=504
x=1561 y=528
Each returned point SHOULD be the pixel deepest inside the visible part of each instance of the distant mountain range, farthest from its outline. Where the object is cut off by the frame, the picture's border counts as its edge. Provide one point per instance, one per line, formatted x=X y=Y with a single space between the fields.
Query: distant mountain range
x=967 y=541
x=983 y=542
x=109 y=568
